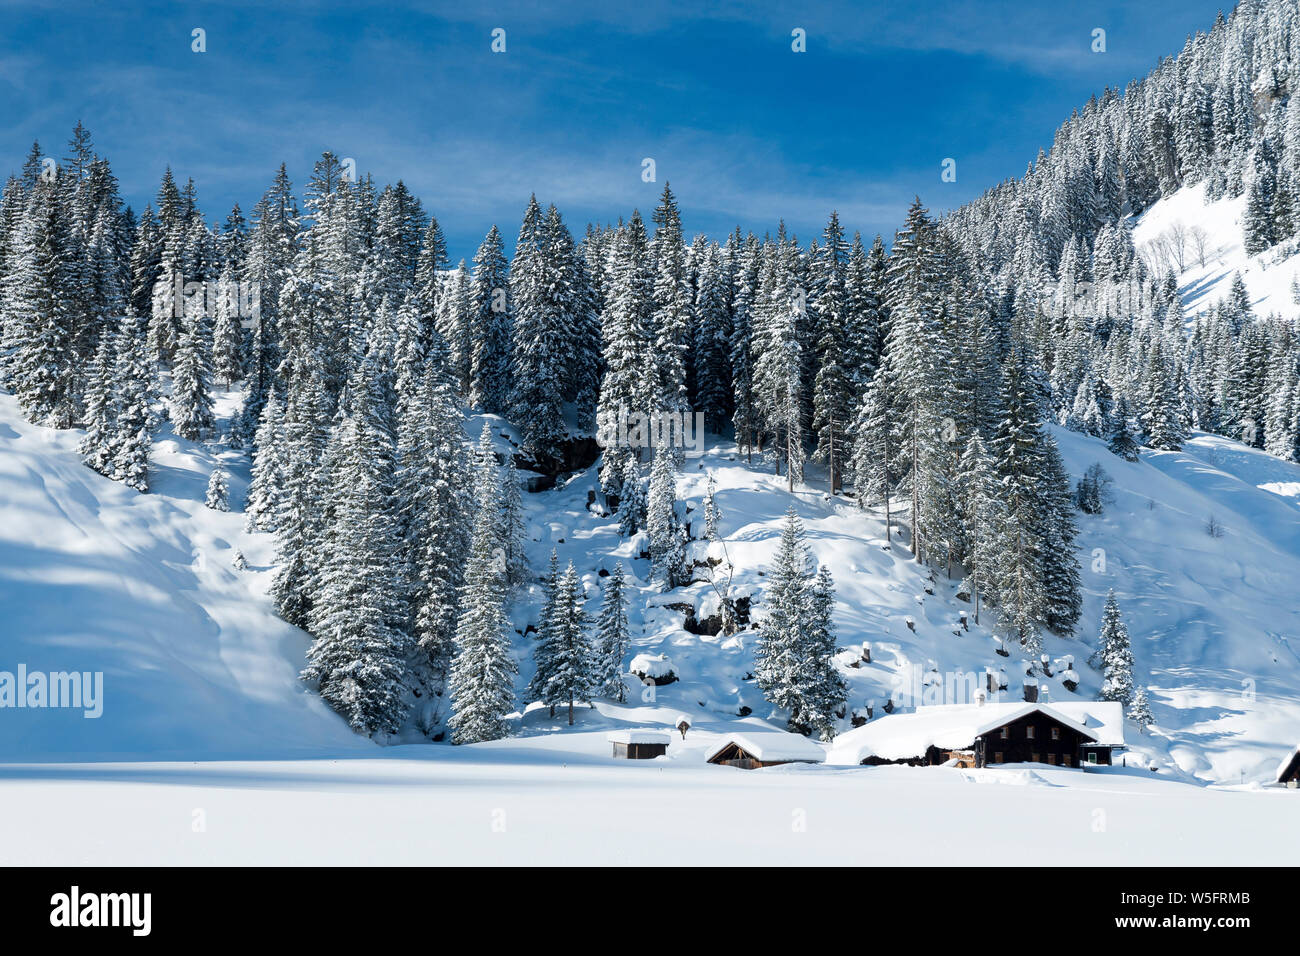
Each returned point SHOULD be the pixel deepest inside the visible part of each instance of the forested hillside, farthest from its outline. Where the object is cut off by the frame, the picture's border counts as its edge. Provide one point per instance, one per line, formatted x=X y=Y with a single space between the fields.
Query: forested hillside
x=919 y=380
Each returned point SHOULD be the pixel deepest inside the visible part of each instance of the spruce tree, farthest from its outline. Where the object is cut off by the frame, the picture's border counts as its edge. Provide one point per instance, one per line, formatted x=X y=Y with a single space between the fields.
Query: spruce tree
x=792 y=658
x=134 y=422
x=612 y=638
x=482 y=672
x=1139 y=711
x=667 y=537
x=1116 y=655
x=359 y=656
x=572 y=674
x=191 y=400
x=545 y=649
x=265 y=491
x=826 y=690
x=632 y=502
x=218 y=496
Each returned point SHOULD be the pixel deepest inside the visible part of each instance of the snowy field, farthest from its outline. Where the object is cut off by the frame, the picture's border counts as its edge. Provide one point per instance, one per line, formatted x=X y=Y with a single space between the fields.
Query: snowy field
x=513 y=804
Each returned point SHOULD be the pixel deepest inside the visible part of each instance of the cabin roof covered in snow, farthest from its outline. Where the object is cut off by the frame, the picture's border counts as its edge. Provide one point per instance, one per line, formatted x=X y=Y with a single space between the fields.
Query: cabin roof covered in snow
x=638 y=737
x=953 y=726
x=1285 y=765
x=771 y=745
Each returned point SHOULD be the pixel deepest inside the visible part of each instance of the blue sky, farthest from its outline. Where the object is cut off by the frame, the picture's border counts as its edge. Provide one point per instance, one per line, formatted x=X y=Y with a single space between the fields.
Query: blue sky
x=746 y=130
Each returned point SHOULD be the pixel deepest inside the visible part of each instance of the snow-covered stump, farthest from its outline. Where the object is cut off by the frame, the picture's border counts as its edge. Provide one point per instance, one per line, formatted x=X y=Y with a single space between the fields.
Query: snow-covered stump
x=654 y=669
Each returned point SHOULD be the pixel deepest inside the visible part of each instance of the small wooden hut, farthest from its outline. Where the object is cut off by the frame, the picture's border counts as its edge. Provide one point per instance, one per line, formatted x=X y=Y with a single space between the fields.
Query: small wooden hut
x=639 y=744
x=765 y=748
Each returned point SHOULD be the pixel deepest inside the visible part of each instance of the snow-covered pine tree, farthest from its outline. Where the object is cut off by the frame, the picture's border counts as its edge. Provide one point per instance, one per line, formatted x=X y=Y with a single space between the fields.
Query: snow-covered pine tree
x=710 y=358
x=826 y=690
x=1017 y=566
x=434 y=490
x=191 y=399
x=1057 y=531
x=627 y=386
x=1122 y=441
x=667 y=537
x=218 y=496
x=572 y=674
x=672 y=306
x=359 y=656
x=632 y=502
x=985 y=522
x=1139 y=711
x=711 y=513
x=482 y=672
x=265 y=490
x=101 y=406
x=791 y=656
x=544 y=648
x=490 y=358
x=40 y=313
x=228 y=349
x=915 y=352
x=134 y=380
x=550 y=298
x=1115 y=654
x=612 y=638
x=874 y=448
x=833 y=390
x=513 y=530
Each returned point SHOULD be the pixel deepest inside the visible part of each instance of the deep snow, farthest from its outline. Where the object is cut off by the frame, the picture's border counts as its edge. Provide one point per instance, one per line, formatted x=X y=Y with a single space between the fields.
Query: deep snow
x=1267 y=275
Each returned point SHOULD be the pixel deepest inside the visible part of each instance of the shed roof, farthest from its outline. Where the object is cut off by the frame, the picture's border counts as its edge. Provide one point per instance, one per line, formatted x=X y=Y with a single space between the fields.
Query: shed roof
x=638 y=737
x=772 y=746
x=955 y=726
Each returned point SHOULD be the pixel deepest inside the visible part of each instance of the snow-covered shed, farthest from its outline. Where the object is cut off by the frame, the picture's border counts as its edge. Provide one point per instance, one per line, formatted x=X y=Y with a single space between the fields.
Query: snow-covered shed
x=1288 y=772
x=639 y=744
x=987 y=734
x=765 y=748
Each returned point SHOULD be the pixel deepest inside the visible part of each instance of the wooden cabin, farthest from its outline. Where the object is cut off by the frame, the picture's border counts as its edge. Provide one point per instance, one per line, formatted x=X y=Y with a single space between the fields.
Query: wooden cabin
x=639 y=744
x=754 y=749
x=984 y=735
x=1289 y=773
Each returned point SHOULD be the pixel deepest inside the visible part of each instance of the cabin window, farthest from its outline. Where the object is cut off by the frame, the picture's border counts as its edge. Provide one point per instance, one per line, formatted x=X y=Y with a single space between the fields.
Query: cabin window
x=997 y=757
x=1029 y=732
x=1006 y=733
x=1092 y=756
x=1056 y=733
x=1067 y=760
x=1034 y=758
x=1051 y=758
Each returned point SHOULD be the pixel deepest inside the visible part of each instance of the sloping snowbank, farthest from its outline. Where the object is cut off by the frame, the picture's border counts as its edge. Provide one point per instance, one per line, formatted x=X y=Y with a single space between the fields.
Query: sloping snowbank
x=1204 y=284
x=95 y=577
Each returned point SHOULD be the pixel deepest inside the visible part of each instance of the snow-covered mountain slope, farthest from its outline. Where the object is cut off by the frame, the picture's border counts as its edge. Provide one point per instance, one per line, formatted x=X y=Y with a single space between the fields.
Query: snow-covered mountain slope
x=1215 y=621
x=1209 y=617
x=1202 y=284
x=95 y=577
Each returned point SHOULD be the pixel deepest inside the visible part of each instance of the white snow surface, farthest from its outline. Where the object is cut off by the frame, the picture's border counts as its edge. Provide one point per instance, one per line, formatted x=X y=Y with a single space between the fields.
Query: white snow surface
x=1268 y=275
x=96 y=577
